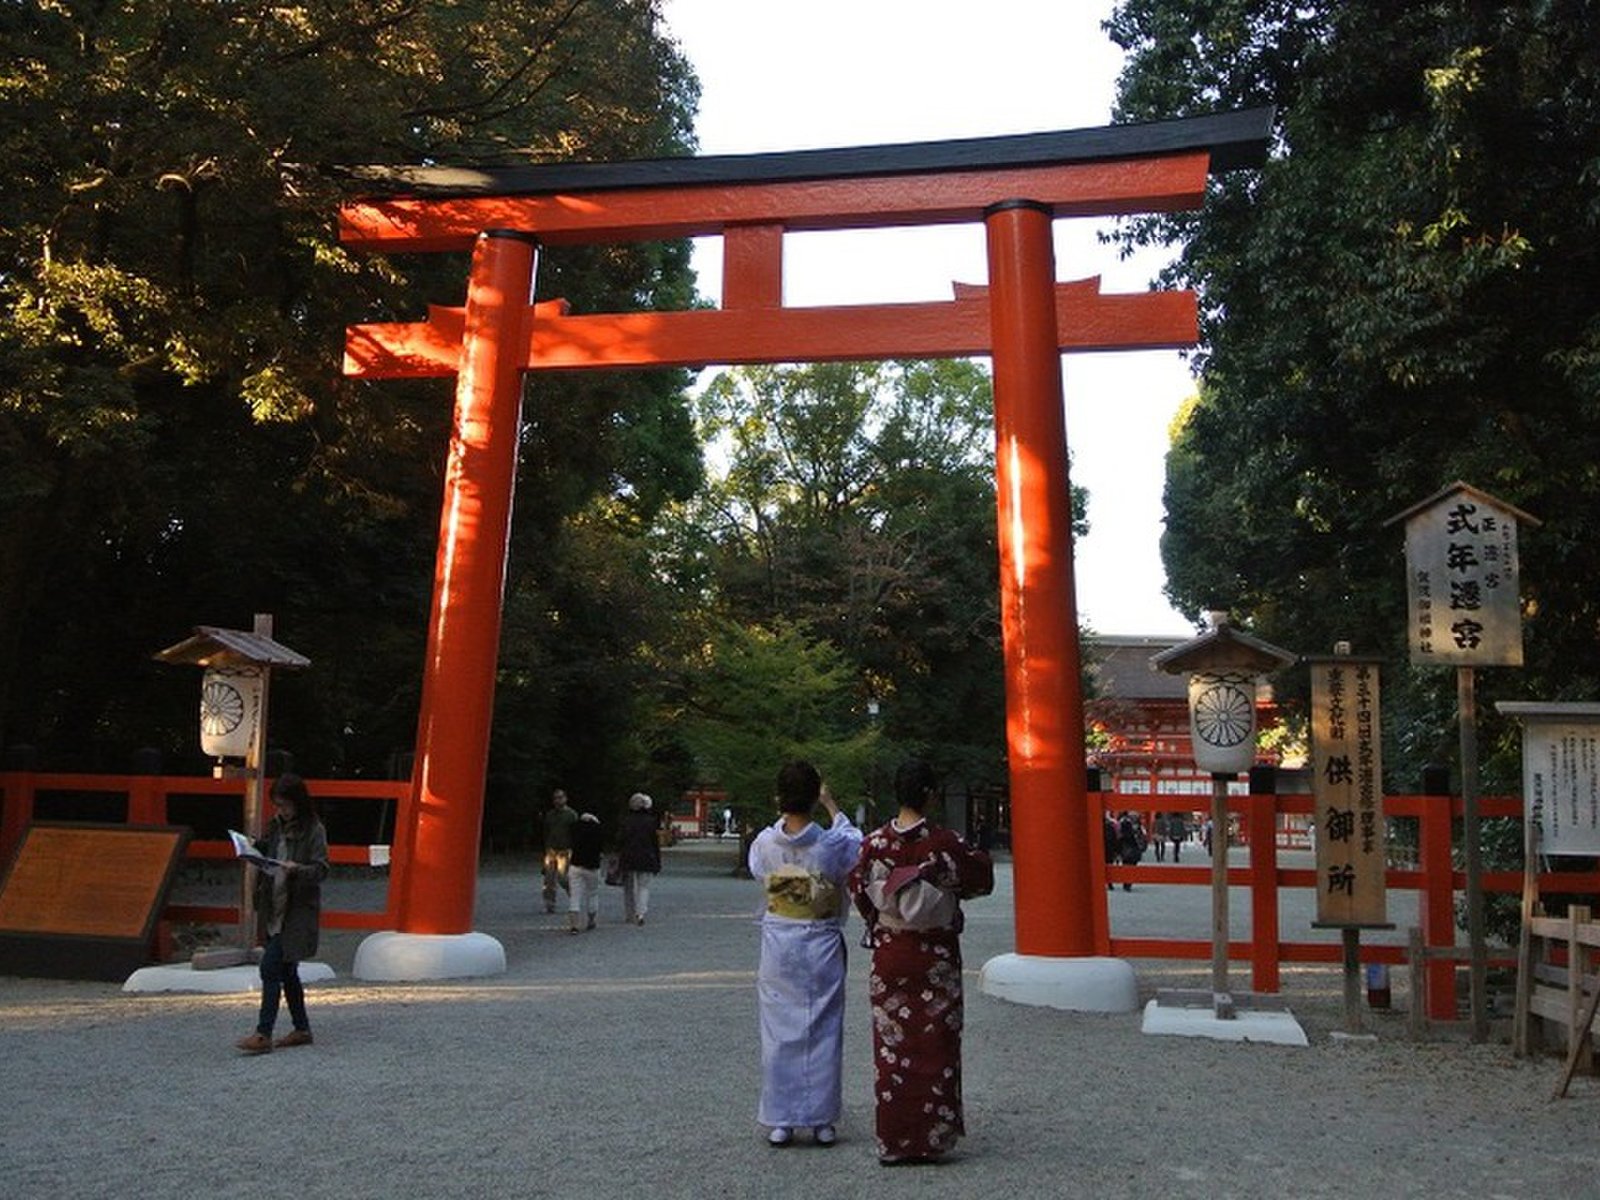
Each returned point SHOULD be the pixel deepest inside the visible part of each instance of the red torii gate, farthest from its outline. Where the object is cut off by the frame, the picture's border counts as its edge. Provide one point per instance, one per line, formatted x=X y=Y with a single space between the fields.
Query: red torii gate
x=1023 y=319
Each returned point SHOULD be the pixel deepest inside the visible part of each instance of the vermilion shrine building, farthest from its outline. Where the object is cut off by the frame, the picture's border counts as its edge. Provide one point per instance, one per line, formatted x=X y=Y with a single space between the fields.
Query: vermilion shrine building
x=1140 y=722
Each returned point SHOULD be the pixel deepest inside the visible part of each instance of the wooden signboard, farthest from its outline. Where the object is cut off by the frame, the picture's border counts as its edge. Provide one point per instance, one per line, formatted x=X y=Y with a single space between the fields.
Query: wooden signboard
x=1347 y=783
x=81 y=901
x=1461 y=580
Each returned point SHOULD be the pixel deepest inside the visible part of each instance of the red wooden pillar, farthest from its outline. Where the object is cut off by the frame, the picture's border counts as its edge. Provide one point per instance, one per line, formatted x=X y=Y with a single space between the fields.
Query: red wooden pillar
x=1438 y=903
x=16 y=810
x=147 y=800
x=464 y=626
x=1038 y=611
x=1094 y=816
x=1261 y=820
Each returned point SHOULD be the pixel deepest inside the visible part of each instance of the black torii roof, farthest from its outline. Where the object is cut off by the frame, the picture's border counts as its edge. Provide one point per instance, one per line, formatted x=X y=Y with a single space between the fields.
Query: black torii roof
x=1233 y=139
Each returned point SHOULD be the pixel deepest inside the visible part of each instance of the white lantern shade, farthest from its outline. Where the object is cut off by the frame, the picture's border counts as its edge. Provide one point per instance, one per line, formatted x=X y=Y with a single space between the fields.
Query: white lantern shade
x=1222 y=720
x=230 y=710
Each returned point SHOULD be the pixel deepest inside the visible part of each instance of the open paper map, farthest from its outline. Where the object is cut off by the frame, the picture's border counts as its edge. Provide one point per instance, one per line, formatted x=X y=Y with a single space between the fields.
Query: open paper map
x=245 y=849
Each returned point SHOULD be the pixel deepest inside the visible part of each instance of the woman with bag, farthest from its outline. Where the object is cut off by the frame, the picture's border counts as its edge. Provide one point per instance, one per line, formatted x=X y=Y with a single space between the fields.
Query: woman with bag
x=909 y=884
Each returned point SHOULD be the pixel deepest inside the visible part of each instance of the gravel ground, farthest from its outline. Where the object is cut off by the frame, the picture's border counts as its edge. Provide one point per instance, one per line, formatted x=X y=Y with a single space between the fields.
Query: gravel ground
x=624 y=1062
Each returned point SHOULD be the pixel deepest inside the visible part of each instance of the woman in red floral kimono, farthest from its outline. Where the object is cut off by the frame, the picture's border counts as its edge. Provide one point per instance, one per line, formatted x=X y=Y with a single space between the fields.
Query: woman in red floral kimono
x=909 y=884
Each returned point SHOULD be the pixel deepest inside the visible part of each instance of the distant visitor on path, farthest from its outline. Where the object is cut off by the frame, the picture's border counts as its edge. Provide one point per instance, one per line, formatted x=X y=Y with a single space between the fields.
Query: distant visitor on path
x=909 y=884
x=800 y=983
x=1131 y=842
x=288 y=901
x=559 y=819
x=638 y=857
x=584 y=873
x=1108 y=837
x=1177 y=833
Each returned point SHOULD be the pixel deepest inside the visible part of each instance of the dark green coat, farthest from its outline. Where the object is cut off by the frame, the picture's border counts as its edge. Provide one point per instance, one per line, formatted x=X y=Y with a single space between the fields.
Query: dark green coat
x=306 y=844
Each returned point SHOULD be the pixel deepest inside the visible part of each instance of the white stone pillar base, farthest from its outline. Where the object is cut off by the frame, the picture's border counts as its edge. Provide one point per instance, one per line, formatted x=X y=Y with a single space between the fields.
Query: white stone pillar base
x=391 y=957
x=184 y=977
x=1076 y=984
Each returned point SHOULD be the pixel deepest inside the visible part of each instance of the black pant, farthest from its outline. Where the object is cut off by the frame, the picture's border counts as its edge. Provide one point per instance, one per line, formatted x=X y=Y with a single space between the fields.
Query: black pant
x=279 y=977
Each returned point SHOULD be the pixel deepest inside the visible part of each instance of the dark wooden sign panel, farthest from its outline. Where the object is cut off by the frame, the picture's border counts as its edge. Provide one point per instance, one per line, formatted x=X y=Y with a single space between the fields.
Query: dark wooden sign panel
x=81 y=901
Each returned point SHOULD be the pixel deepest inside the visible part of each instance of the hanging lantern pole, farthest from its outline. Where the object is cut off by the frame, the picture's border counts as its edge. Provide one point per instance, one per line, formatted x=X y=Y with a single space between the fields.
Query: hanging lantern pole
x=1223 y=665
x=238 y=651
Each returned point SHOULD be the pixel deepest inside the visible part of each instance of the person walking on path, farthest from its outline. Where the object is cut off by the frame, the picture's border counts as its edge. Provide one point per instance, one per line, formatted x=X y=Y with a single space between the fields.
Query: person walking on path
x=800 y=983
x=1130 y=843
x=909 y=884
x=1108 y=836
x=559 y=819
x=638 y=857
x=583 y=873
x=288 y=902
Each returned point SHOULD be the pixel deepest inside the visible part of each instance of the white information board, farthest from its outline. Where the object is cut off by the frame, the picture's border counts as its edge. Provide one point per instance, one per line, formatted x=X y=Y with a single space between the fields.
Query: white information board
x=1561 y=773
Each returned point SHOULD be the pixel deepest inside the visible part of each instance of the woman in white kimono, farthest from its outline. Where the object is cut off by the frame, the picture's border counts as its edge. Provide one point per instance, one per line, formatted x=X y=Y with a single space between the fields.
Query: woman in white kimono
x=801 y=981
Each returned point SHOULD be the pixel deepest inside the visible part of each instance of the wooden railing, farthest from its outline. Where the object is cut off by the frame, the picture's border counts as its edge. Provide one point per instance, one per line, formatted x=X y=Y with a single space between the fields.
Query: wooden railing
x=157 y=799
x=210 y=807
x=1435 y=877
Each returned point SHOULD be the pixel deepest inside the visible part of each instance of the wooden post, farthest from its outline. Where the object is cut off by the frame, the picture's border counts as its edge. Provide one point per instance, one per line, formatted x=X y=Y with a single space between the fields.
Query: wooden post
x=1222 y=999
x=1582 y=1044
x=1580 y=1051
x=1417 y=964
x=1351 y=938
x=1466 y=693
x=1521 y=1025
x=255 y=765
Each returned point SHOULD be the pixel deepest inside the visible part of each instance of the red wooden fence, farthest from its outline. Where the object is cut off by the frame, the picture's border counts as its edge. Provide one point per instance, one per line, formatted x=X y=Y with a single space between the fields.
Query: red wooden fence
x=1258 y=816
x=1259 y=821
x=146 y=802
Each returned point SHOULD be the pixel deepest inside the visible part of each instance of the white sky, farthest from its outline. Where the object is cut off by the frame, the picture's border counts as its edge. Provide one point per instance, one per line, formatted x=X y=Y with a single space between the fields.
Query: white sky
x=778 y=75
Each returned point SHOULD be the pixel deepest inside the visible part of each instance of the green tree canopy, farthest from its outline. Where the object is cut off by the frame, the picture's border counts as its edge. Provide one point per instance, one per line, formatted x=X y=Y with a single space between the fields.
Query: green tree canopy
x=856 y=501
x=1405 y=295
x=176 y=444
x=764 y=696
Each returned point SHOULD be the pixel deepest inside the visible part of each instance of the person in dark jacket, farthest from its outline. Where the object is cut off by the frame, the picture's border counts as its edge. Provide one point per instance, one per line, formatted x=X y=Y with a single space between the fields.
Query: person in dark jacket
x=1177 y=832
x=288 y=900
x=638 y=857
x=584 y=873
x=1131 y=842
x=1108 y=835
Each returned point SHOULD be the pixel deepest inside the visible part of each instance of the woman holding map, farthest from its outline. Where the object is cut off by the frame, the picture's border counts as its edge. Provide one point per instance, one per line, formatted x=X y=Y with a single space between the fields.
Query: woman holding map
x=288 y=898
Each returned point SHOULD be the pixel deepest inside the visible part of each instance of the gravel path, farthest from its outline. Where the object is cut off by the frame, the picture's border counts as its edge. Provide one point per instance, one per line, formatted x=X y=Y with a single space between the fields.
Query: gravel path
x=624 y=1062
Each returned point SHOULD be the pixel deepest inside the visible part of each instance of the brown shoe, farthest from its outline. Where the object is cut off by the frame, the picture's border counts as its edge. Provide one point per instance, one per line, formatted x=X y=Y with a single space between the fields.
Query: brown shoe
x=256 y=1043
x=295 y=1037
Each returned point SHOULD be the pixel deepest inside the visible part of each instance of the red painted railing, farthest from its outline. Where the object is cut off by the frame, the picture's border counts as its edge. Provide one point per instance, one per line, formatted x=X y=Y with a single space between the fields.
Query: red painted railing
x=147 y=803
x=1435 y=877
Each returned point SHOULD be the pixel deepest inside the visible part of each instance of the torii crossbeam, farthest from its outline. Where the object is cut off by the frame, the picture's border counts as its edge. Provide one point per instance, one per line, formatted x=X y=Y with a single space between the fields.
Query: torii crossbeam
x=1023 y=319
